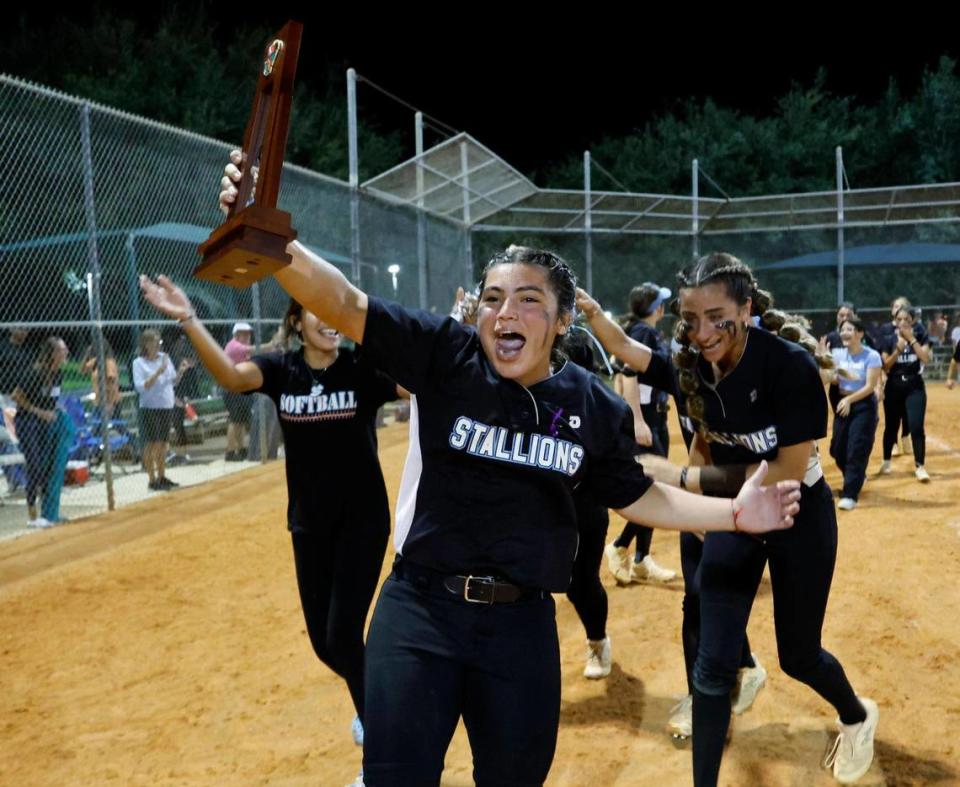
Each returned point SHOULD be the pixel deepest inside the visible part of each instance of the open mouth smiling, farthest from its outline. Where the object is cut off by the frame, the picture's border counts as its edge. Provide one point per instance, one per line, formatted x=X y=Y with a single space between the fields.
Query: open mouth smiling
x=508 y=345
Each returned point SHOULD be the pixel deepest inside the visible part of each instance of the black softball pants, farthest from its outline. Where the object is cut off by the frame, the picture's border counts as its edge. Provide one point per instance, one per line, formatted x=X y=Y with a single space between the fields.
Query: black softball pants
x=905 y=397
x=801 y=569
x=852 y=442
x=433 y=657
x=337 y=575
x=657 y=421
x=691 y=552
x=586 y=592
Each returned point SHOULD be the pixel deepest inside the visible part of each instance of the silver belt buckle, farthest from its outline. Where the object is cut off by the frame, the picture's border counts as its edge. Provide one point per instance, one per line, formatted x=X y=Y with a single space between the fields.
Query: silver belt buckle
x=466 y=589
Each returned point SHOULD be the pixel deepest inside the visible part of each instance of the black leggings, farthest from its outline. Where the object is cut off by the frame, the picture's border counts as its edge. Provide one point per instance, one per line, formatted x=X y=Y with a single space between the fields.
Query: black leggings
x=657 y=421
x=801 y=570
x=907 y=400
x=852 y=442
x=691 y=552
x=586 y=593
x=337 y=574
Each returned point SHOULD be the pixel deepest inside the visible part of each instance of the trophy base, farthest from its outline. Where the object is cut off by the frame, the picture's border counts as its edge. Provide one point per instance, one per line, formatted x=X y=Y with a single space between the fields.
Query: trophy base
x=249 y=246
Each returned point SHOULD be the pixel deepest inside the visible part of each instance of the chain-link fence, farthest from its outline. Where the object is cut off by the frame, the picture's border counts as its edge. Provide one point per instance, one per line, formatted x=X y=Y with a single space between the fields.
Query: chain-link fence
x=91 y=198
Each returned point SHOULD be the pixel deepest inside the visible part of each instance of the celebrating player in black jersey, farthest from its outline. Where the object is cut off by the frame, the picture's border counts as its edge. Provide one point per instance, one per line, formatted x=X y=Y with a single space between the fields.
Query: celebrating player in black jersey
x=905 y=395
x=337 y=511
x=753 y=396
x=501 y=434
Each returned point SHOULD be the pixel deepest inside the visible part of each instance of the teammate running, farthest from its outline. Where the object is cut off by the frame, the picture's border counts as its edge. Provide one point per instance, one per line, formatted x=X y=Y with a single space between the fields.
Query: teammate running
x=754 y=396
x=337 y=513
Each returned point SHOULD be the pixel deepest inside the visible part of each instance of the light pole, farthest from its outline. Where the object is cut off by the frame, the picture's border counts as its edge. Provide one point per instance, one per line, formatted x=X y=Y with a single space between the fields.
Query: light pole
x=393 y=270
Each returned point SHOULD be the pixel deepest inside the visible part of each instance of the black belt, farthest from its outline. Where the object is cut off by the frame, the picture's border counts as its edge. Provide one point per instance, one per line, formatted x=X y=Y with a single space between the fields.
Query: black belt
x=471 y=588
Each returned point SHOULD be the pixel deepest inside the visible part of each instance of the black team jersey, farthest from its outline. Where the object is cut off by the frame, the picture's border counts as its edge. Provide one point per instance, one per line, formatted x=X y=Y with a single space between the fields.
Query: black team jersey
x=328 y=420
x=908 y=362
x=773 y=397
x=492 y=465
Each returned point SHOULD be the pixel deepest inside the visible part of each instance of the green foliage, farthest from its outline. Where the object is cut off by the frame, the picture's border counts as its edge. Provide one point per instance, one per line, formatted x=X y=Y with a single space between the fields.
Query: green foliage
x=895 y=140
x=182 y=68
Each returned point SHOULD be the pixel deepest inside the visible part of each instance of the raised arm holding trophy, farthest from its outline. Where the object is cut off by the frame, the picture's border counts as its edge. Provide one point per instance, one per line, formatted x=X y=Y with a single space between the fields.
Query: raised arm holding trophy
x=251 y=243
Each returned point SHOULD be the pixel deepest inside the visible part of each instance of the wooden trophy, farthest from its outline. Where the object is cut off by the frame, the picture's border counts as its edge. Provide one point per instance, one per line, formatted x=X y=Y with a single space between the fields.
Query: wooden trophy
x=251 y=244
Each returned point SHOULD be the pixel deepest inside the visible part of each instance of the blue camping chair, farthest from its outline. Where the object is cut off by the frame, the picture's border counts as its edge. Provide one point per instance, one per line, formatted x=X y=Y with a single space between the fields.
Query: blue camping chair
x=87 y=445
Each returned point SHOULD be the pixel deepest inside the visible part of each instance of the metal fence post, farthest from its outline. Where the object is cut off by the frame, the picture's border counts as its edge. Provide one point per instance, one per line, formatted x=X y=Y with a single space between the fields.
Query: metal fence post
x=695 y=207
x=354 y=166
x=261 y=401
x=421 y=216
x=93 y=298
x=840 y=239
x=587 y=221
x=465 y=175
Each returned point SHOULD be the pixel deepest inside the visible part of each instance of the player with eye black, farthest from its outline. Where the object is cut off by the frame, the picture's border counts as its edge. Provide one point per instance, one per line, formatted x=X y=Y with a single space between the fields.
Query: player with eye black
x=754 y=397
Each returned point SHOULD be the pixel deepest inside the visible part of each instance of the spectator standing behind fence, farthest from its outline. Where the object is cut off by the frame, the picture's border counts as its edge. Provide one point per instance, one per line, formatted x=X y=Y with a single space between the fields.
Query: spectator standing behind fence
x=937 y=327
x=238 y=350
x=856 y=419
x=154 y=377
x=111 y=382
x=37 y=420
x=955 y=333
x=953 y=368
x=14 y=360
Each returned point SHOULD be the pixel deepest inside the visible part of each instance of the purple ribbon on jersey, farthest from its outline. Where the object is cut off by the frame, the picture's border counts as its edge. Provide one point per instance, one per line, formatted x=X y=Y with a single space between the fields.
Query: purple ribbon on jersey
x=554 y=428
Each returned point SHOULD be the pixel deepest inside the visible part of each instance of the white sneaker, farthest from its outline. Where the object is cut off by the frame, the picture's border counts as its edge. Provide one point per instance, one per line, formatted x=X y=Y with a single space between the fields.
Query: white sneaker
x=648 y=569
x=922 y=475
x=906 y=445
x=852 y=751
x=847 y=504
x=749 y=682
x=599 y=659
x=356 y=730
x=358 y=782
x=680 y=724
x=885 y=468
x=895 y=451
x=618 y=562
x=40 y=522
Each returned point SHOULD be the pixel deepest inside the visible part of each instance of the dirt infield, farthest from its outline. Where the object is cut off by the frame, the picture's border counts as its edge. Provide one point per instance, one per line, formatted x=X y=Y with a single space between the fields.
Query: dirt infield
x=164 y=645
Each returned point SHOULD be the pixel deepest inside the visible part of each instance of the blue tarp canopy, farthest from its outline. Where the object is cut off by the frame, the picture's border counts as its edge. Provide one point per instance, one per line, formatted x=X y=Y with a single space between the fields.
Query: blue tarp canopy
x=887 y=254
x=184 y=233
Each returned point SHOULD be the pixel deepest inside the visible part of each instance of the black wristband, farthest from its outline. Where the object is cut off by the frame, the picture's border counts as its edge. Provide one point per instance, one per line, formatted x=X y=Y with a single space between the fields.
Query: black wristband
x=683 y=477
x=724 y=481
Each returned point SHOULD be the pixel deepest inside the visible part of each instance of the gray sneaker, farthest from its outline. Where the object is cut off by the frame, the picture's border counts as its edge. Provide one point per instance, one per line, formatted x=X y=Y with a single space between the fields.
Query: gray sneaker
x=599 y=659
x=749 y=682
x=680 y=724
x=852 y=751
x=356 y=730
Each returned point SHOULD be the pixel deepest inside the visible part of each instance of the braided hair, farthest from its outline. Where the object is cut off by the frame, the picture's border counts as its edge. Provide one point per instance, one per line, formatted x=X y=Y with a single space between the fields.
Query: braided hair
x=740 y=284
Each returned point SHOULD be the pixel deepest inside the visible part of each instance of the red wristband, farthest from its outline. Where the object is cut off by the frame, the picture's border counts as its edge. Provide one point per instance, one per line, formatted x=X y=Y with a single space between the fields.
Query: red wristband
x=733 y=510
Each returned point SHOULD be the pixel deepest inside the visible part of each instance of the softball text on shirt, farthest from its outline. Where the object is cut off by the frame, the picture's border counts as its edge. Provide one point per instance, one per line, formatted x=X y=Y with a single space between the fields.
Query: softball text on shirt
x=317 y=405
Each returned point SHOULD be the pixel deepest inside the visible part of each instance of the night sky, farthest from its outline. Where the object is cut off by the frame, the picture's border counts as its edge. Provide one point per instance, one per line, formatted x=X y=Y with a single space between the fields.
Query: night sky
x=537 y=88
x=535 y=97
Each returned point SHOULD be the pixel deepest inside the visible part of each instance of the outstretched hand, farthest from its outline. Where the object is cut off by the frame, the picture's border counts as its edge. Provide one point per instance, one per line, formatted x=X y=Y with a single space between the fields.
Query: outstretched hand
x=587 y=304
x=167 y=297
x=760 y=509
